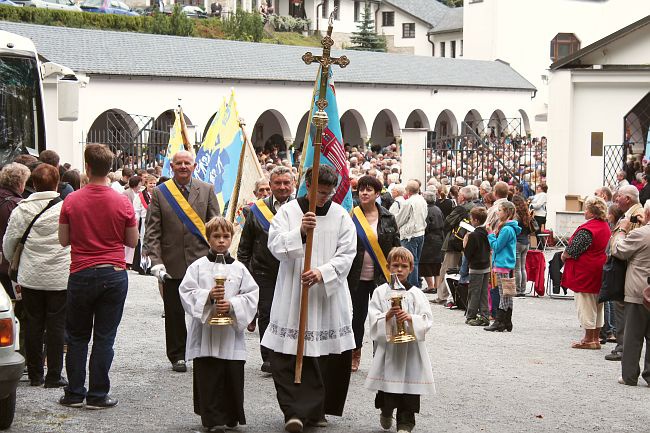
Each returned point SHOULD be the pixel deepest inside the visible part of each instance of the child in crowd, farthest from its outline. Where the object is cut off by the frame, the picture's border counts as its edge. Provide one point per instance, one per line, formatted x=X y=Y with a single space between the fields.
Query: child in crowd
x=504 y=251
x=477 y=253
x=219 y=352
x=400 y=373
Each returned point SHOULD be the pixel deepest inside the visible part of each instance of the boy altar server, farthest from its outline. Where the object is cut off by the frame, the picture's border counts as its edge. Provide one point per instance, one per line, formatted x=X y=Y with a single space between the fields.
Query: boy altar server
x=400 y=372
x=219 y=352
x=328 y=339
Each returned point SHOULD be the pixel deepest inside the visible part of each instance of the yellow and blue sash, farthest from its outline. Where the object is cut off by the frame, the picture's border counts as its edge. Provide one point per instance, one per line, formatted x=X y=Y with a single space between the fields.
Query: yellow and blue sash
x=183 y=210
x=263 y=214
x=370 y=241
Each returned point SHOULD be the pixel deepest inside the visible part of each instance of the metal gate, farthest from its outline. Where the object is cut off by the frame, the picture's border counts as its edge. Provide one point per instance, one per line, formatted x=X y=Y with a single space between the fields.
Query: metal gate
x=614 y=161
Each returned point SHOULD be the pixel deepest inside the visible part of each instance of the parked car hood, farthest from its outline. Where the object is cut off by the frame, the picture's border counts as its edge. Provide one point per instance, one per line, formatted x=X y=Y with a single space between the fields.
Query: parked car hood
x=5 y=301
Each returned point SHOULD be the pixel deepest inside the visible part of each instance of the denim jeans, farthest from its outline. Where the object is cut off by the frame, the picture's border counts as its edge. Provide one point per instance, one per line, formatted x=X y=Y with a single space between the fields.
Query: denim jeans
x=520 y=267
x=414 y=245
x=94 y=304
x=464 y=271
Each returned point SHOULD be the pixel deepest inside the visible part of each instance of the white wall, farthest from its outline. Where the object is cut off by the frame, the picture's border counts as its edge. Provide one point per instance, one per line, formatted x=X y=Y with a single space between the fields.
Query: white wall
x=520 y=32
x=200 y=99
x=419 y=45
x=447 y=38
x=582 y=102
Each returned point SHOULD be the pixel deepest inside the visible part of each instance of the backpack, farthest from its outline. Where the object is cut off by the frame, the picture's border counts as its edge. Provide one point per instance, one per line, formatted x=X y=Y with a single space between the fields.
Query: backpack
x=458 y=234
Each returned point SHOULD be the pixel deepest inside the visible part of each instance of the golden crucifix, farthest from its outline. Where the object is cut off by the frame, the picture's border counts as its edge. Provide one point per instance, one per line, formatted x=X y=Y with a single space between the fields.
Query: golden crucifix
x=319 y=119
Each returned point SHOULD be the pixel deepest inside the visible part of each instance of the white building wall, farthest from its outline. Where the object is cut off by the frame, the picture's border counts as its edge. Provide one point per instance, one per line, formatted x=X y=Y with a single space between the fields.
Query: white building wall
x=200 y=99
x=577 y=107
x=419 y=45
x=447 y=38
x=520 y=32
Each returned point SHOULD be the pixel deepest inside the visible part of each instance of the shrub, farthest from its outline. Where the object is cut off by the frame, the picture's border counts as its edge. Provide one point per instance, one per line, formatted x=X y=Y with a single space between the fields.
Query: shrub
x=244 y=26
x=289 y=24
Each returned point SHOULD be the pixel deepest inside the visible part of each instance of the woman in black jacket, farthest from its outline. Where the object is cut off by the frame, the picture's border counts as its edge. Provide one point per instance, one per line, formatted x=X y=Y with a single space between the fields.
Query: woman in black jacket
x=431 y=257
x=365 y=274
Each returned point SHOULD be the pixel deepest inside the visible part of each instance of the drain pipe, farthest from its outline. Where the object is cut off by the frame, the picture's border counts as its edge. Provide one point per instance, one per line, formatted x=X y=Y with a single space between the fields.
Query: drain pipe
x=319 y=5
x=433 y=45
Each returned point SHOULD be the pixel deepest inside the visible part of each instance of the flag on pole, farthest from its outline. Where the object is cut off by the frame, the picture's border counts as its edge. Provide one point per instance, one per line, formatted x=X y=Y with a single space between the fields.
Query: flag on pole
x=646 y=157
x=210 y=142
x=223 y=145
x=332 y=151
x=175 y=144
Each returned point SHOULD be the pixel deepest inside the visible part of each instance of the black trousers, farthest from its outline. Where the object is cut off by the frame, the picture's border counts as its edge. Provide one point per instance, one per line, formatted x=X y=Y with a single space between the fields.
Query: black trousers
x=267 y=289
x=637 y=329
x=175 y=330
x=45 y=312
x=219 y=391
x=407 y=406
x=322 y=391
x=619 y=314
x=360 y=299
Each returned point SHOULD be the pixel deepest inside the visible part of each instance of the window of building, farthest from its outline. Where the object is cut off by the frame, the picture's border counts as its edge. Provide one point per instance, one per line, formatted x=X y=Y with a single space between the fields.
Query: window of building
x=357 y=11
x=408 y=30
x=442 y=49
x=461 y=48
x=388 y=19
x=337 y=9
x=564 y=44
x=325 y=12
x=452 y=48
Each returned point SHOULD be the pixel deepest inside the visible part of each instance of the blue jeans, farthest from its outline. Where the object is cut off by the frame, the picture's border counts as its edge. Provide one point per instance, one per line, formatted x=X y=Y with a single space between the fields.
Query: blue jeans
x=464 y=271
x=94 y=306
x=414 y=245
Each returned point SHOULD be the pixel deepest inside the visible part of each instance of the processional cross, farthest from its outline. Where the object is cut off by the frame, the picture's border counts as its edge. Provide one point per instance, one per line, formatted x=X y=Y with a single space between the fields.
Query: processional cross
x=319 y=119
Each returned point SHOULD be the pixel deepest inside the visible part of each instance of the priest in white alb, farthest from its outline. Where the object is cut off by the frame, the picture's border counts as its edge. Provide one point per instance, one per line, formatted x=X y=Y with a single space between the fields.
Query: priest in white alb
x=328 y=338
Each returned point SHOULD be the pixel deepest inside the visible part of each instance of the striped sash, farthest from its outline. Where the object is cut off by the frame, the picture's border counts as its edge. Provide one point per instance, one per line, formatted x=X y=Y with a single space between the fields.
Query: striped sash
x=263 y=214
x=370 y=241
x=183 y=210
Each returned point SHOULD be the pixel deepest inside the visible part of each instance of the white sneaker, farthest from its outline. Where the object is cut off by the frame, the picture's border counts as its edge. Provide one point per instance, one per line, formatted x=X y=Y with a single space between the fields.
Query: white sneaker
x=386 y=422
x=294 y=425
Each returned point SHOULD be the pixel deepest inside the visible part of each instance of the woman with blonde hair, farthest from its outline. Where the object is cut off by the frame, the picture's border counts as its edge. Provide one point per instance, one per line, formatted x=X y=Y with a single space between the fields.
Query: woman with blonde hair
x=584 y=258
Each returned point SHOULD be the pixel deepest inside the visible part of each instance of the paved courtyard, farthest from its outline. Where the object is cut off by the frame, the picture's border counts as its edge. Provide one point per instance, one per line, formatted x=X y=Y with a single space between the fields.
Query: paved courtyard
x=525 y=381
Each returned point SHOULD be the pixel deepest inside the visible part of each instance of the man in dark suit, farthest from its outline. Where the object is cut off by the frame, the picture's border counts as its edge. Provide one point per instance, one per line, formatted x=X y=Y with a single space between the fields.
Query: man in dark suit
x=172 y=247
x=254 y=252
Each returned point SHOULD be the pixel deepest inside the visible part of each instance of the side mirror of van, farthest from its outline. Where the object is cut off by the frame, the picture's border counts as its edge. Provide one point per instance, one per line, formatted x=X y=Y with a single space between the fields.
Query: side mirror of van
x=68 y=98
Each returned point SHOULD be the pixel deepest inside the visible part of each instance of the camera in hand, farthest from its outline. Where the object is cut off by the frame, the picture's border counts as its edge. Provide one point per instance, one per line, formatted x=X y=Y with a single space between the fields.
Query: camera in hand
x=634 y=219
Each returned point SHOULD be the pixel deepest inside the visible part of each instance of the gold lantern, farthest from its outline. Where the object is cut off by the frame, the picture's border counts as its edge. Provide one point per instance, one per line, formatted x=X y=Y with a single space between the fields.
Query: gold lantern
x=398 y=332
x=220 y=277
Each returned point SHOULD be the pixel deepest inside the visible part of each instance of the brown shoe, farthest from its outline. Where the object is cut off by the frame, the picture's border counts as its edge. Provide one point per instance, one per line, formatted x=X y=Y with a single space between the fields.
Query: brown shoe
x=590 y=345
x=356 y=359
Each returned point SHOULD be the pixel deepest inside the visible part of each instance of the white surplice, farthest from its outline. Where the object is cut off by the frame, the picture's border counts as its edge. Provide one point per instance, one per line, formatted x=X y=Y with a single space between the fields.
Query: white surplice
x=400 y=368
x=224 y=342
x=329 y=321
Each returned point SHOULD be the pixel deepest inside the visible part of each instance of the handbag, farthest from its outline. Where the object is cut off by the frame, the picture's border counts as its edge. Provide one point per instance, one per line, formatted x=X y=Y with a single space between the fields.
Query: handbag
x=613 y=282
x=15 y=259
x=508 y=286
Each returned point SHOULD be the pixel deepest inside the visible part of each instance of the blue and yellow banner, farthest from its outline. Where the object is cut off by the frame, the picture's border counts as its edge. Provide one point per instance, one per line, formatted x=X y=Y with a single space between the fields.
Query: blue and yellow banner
x=370 y=241
x=183 y=210
x=263 y=214
x=332 y=150
x=175 y=144
x=218 y=157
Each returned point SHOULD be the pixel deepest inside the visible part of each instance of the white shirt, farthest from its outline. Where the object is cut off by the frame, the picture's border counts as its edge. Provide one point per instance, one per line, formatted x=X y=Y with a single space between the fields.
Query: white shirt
x=412 y=217
x=223 y=342
x=329 y=320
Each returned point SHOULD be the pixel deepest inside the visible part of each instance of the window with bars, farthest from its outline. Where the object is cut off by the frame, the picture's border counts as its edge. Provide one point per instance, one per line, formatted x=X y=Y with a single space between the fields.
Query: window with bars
x=452 y=48
x=325 y=12
x=388 y=19
x=564 y=44
x=442 y=49
x=337 y=9
x=357 y=12
x=408 y=30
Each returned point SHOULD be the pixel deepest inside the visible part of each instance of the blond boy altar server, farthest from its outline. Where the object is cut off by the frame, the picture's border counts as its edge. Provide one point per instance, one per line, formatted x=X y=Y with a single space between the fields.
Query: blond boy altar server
x=218 y=352
x=400 y=372
x=328 y=339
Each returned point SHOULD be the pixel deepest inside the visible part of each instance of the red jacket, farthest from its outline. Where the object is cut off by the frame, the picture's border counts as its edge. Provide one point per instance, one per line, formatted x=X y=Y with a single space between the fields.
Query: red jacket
x=584 y=274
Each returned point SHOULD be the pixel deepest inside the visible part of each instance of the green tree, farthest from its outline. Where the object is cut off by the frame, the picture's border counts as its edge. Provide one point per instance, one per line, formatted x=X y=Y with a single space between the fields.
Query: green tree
x=181 y=24
x=366 y=37
x=452 y=3
x=244 y=26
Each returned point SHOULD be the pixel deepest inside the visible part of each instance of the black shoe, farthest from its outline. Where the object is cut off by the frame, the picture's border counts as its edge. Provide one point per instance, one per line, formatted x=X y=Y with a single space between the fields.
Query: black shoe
x=105 y=403
x=36 y=382
x=499 y=323
x=70 y=401
x=216 y=429
x=179 y=366
x=266 y=367
x=55 y=383
x=614 y=356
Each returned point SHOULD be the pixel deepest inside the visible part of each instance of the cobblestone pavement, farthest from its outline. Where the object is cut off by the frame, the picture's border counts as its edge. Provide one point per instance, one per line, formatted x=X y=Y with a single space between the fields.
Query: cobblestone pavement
x=525 y=381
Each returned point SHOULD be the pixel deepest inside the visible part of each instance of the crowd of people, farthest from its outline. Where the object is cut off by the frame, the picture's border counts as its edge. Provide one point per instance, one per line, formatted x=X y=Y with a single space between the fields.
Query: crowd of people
x=402 y=238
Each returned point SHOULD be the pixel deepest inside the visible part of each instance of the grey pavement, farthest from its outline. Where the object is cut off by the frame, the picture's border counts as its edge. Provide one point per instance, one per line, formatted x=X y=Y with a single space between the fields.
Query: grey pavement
x=529 y=380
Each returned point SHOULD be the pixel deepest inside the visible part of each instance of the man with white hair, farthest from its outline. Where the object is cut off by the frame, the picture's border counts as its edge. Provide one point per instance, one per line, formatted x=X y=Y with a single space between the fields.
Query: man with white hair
x=397 y=192
x=485 y=188
x=411 y=221
x=621 y=181
x=262 y=189
x=627 y=200
x=173 y=241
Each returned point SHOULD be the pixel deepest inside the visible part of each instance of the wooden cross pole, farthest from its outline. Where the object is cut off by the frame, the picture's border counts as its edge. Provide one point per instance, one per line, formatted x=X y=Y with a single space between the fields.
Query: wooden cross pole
x=319 y=120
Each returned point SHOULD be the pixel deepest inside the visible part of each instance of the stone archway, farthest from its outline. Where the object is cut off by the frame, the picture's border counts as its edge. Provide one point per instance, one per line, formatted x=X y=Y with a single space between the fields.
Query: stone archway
x=637 y=125
x=112 y=127
x=271 y=129
x=525 y=122
x=300 y=132
x=473 y=121
x=159 y=135
x=446 y=125
x=353 y=129
x=385 y=130
x=417 y=119
x=497 y=125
